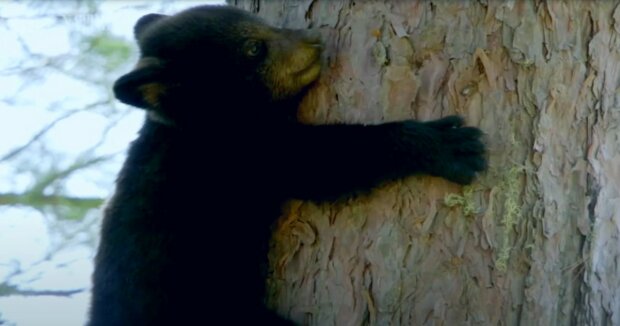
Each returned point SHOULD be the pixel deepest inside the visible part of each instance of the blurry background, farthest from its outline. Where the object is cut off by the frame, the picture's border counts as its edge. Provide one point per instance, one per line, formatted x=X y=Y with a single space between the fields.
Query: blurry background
x=62 y=140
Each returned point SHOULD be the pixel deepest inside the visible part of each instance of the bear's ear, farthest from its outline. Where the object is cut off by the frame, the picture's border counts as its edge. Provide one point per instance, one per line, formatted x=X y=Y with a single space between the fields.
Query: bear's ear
x=144 y=22
x=142 y=87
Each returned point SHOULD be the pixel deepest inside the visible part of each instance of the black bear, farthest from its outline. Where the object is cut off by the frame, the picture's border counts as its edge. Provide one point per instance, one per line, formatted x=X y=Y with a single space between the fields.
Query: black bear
x=185 y=236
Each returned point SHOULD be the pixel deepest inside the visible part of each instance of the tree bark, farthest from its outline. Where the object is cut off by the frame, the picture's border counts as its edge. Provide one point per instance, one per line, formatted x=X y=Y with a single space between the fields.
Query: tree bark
x=536 y=240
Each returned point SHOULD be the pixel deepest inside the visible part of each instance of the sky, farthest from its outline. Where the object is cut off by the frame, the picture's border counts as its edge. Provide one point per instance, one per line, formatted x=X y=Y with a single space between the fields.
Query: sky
x=25 y=234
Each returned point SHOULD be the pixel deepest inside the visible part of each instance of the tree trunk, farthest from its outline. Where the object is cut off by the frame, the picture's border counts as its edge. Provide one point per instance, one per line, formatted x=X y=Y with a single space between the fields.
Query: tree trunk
x=536 y=240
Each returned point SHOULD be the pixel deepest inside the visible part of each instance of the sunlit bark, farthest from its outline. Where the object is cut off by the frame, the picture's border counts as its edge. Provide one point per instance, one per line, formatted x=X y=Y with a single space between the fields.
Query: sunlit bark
x=536 y=240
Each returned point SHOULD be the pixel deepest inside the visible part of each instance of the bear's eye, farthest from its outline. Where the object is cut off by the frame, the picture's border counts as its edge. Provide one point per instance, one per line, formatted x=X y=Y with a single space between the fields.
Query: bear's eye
x=253 y=48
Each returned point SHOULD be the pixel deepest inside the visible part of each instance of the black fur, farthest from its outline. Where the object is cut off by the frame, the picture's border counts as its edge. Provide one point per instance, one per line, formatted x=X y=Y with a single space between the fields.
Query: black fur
x=187 y=230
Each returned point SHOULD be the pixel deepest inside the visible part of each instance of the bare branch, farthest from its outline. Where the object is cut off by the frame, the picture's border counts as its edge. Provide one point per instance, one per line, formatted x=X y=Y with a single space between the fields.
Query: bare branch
x=47 y=128
x=113 y=123
x=53 y=176
x=37 y=136
x=10 y=290
x=40 y=201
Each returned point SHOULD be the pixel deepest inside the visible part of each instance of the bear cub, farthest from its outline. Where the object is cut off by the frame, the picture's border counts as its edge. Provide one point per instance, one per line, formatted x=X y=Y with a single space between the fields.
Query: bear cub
x=185 y=236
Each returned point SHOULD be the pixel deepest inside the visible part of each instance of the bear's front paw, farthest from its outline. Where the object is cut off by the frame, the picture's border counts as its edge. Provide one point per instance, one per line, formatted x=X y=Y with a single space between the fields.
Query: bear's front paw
x=459 y=152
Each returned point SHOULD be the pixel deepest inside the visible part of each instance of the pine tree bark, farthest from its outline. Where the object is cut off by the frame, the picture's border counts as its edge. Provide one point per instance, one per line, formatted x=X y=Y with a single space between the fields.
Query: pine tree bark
x=536 y=241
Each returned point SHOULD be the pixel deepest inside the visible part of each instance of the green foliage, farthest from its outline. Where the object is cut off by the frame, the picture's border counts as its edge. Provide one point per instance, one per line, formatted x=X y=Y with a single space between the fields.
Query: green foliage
x=69 y=210
x=512 y=213
x=467 y=201
x=113 y=50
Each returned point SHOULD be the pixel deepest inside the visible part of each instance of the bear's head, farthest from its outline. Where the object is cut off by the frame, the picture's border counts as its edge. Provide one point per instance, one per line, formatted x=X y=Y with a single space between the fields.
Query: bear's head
x=216 y=55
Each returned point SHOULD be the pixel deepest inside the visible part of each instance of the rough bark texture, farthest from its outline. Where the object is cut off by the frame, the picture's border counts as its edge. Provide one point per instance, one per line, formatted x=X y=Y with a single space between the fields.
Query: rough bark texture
x=537 y=240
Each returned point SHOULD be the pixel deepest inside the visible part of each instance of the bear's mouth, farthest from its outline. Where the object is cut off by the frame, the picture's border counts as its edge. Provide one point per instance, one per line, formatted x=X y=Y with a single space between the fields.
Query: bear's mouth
x=310 y=73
